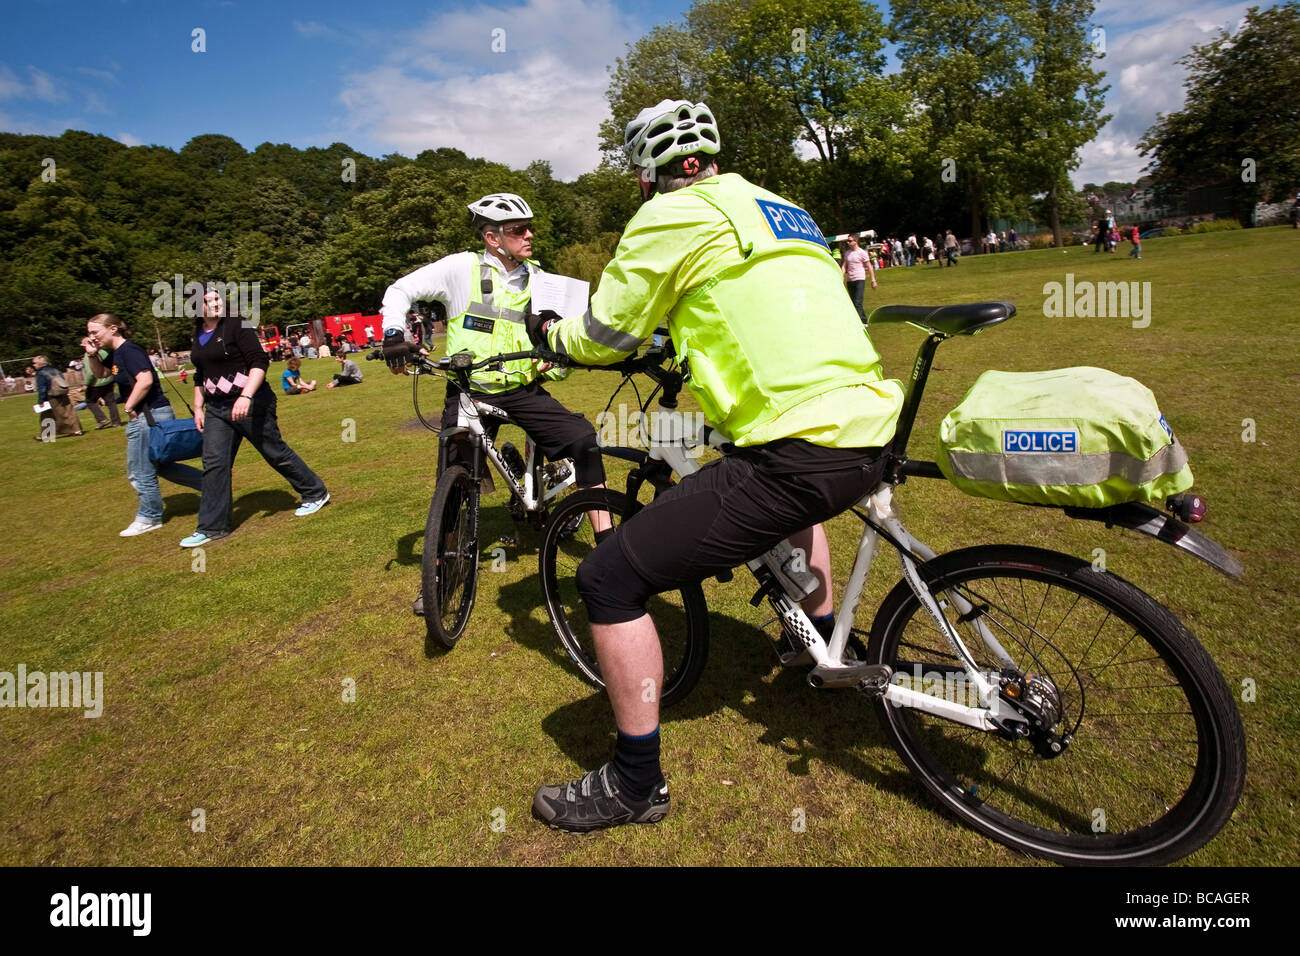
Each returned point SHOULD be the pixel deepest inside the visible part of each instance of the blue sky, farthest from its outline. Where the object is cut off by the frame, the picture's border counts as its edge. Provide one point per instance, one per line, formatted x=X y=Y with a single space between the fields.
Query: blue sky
x=402 y=76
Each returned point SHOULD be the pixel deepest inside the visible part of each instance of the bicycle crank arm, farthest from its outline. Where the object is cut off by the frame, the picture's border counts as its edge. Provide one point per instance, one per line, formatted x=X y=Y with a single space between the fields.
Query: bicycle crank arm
x=872 y=679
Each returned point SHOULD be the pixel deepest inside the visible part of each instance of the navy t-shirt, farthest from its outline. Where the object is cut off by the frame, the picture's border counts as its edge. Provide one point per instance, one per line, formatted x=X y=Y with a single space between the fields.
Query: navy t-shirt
x=126 y=362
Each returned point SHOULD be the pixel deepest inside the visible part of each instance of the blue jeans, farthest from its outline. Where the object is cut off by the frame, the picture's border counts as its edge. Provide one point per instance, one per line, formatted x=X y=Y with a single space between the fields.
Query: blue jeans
x=143 y=473
x=222 y=437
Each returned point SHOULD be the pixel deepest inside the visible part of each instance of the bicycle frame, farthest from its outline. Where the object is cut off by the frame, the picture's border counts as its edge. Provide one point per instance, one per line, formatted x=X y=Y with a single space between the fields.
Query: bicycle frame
x=531 y=491
x=667 y=443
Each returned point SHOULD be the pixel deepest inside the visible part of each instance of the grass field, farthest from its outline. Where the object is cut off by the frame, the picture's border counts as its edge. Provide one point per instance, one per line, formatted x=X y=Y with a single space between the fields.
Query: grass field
x=223 y=688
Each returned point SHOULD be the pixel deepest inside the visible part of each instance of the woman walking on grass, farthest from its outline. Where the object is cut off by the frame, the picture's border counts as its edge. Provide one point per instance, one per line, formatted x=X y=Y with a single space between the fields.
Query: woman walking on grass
x=232 y=401
x=143 y=400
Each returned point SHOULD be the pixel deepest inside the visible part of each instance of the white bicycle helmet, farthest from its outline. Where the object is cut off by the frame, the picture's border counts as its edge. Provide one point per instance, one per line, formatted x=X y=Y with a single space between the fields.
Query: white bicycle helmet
x=668 y=130
x=500 y=207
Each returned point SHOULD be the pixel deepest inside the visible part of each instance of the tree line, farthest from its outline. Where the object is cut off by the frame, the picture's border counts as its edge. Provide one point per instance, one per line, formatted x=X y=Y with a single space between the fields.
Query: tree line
x=983 y=119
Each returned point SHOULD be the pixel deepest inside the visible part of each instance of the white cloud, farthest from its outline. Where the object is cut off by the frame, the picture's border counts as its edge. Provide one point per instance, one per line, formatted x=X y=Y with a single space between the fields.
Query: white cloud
x=126 y=139
x=42 y=86
x=1144 y=76
x=104 y=76
x=313 y=28
x=10 y=85
x=510 y=84
x=95 y=104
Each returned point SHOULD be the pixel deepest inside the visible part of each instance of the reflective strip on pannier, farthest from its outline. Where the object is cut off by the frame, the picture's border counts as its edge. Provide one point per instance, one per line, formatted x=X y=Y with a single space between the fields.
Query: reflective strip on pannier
x=1078 y=436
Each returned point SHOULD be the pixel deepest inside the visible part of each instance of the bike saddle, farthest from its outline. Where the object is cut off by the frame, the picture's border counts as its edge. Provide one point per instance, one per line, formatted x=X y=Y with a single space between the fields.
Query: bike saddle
x=963 y=319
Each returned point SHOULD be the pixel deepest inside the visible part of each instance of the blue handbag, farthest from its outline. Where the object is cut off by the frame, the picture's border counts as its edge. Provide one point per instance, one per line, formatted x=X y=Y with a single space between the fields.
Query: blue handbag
x=175 y=440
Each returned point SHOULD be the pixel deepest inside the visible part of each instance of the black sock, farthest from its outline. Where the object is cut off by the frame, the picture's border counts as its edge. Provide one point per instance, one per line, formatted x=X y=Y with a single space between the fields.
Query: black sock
x=636 y=764
x=825 y=625
x=602 y=535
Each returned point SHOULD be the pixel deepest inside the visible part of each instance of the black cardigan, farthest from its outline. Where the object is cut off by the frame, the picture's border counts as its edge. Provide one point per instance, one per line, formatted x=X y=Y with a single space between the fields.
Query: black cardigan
x=222 y=365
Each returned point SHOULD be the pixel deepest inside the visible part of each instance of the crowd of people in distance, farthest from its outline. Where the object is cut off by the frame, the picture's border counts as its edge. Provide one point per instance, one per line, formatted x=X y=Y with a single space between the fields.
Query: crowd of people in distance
x=940 y=249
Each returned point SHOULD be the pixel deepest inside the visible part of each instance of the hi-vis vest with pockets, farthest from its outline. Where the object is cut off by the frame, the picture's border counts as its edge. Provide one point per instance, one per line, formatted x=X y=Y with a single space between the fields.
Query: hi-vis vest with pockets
x=773 y=345
x=493 y=323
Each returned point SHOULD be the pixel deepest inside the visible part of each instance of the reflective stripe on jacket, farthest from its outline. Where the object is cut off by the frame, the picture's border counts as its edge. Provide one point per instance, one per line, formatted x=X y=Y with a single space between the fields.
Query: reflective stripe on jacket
x=757 y=311
x=493 y=323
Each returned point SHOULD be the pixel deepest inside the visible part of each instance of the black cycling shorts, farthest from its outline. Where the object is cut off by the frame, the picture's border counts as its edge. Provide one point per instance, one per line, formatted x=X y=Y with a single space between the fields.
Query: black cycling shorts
x=729 y=512
x=557 y=432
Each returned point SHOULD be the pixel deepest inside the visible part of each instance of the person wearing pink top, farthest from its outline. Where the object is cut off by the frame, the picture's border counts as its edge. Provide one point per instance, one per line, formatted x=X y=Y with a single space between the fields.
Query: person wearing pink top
x=857 y=267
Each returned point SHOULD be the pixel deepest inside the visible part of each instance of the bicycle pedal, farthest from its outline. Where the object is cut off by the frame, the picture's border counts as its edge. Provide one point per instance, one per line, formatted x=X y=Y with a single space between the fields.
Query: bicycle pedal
x=876 y=681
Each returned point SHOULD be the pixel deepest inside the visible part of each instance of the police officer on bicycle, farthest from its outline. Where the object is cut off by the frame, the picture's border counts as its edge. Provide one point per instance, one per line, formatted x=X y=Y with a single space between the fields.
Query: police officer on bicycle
x=486 y=296
x=780 y=363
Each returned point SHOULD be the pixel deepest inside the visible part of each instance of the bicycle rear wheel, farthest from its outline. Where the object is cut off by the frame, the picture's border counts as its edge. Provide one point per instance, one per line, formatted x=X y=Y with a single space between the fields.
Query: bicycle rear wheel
x=680 y=617
x=1155 y=759
x=449 y=565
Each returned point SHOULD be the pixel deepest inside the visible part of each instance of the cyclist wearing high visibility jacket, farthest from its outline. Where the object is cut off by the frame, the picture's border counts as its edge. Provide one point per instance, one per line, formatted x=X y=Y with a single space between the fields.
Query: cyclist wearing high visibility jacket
x=486 y=295
x=780 y=363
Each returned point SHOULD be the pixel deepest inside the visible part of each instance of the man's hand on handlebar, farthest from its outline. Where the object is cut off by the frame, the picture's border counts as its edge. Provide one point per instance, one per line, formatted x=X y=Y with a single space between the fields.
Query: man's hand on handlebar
x=397 y=350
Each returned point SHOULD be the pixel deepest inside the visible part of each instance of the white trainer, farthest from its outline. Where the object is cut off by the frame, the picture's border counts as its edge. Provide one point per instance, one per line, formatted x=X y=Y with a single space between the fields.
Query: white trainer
x=138 y=527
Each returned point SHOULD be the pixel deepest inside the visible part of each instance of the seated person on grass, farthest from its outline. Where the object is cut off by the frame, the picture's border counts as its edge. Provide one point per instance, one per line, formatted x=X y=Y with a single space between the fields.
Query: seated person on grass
x=291 y=381
x=348 y=374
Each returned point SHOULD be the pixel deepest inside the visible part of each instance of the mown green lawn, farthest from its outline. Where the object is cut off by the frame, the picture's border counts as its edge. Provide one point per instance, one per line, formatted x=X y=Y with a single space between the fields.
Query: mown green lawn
x=224 y=686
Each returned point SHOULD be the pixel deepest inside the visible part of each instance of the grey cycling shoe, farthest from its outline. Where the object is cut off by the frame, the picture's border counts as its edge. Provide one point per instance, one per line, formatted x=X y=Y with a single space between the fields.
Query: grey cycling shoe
x=418 y=607
x=595 y=802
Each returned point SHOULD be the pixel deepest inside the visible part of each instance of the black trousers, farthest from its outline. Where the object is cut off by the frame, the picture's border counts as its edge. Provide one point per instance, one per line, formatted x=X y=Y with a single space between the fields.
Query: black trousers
x=221 y=439
x=557 y=432
x=727 y=513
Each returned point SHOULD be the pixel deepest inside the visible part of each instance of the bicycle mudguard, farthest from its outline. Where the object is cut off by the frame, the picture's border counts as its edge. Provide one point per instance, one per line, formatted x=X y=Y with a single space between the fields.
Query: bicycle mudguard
x=1138 y=516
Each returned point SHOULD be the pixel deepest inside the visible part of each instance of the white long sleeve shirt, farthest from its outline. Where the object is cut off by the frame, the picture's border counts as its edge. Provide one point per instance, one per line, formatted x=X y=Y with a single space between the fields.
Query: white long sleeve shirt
x=446 y=281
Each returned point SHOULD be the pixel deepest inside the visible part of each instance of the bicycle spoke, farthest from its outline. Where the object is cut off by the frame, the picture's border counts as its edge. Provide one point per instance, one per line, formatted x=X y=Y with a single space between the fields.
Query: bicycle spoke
x=1124 y=750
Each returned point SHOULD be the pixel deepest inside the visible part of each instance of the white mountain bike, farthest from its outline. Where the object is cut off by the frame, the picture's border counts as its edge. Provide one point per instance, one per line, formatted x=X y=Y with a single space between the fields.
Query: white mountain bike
x=1056 y=708
x=449 y=564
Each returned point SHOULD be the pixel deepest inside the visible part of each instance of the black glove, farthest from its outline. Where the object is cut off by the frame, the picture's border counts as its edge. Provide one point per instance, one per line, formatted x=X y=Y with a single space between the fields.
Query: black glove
x=396 y=350
x=537 y=324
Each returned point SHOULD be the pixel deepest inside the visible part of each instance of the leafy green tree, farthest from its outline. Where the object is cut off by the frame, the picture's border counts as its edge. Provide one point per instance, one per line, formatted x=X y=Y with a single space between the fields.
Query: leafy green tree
x=60 y=236
x=211 y=153
x=1240 y=123
x=1061 y=106
x=587 y=260
x=776 y=73
x=353 y=270
x=964 y=60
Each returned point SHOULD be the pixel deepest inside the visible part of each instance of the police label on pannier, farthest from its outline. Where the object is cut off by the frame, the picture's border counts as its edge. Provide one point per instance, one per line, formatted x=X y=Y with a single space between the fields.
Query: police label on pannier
x=1061 y=440
x=790 y=222
x=1082 y=437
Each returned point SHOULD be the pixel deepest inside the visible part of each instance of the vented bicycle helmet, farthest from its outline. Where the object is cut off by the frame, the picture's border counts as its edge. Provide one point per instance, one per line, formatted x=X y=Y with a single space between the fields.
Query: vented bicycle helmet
x=499 y=207
x=668 y=130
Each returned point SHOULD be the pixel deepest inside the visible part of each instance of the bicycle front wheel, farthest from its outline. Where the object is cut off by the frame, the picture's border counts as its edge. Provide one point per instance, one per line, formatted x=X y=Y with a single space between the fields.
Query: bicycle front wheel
x=1154 y=754
x=680 y=617
x=449 y=564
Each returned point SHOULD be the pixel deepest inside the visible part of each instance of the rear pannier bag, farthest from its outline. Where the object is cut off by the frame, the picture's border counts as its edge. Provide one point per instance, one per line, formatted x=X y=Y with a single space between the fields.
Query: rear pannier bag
x=1082 y=437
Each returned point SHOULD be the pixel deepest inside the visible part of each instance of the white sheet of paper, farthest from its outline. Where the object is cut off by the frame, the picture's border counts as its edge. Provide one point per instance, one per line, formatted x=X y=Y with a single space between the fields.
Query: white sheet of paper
x=42 y=407
x=562 y=294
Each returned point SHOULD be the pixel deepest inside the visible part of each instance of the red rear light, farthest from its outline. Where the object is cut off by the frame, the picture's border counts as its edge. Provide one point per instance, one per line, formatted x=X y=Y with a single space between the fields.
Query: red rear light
x=1189 y=508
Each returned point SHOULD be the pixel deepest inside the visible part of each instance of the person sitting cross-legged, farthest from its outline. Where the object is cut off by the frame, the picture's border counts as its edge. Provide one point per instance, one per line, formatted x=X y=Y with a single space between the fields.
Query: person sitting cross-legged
x=291 y=381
